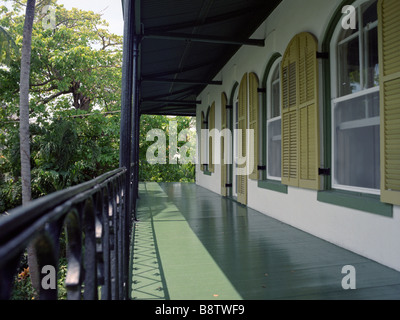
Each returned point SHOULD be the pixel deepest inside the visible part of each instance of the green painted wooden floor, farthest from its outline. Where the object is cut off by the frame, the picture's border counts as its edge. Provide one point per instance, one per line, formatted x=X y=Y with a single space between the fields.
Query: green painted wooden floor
x=191 y=244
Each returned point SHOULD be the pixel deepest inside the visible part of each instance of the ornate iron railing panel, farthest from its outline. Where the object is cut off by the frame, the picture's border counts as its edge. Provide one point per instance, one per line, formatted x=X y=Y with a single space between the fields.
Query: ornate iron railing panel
x=97 y=228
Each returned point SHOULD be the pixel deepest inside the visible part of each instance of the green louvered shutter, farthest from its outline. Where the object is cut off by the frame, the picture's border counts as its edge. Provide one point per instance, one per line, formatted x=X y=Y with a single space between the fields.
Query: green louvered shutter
x=242 y=116
x=389 y=62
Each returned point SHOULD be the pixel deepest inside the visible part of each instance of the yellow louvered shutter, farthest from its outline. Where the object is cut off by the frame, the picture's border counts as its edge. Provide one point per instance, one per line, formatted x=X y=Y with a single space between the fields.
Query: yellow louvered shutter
x=289 y=92
x=242 y=142
x=202 y=149
x=300 y=116
x=389 y=63
x=211 y=143
x=308 y=112
x=254 y=124
x=224 y=167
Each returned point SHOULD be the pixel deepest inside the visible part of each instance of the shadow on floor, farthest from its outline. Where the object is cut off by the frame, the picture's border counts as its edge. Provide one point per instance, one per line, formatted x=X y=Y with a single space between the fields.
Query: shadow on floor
x=261 y=258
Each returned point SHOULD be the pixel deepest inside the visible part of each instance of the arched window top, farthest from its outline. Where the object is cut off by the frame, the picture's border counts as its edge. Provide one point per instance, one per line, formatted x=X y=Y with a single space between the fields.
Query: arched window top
x=273 y=123
x=273 y=89
x=299 y=71
x=355 y=51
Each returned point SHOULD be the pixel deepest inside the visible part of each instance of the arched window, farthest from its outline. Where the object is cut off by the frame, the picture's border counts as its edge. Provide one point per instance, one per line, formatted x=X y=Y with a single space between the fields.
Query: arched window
x=207 y=140
x=274 y=127
x=211 y=138
x=355 y=103
x=203 y=143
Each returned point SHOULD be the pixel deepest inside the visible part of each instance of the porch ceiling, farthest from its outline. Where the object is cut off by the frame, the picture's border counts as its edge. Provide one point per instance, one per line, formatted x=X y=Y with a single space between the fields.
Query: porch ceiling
x=185 y=44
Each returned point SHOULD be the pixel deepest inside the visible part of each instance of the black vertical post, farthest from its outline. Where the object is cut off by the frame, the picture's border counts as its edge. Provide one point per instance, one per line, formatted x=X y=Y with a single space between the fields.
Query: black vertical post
x=128 y=85
x=135 y=126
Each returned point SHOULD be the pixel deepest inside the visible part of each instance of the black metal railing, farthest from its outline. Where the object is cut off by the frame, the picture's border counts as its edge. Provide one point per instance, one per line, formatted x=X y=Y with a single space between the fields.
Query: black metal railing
x=96 y=224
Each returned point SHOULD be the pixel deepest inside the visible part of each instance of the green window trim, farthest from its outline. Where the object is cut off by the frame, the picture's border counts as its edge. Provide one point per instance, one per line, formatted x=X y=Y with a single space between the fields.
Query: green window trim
x=357 y=201
x=326 y=96
x=264 y=183
x=272 y=185
x=207 y=173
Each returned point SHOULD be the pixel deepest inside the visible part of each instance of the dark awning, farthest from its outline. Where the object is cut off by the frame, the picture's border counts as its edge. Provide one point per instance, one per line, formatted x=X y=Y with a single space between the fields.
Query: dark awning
x=185 y=43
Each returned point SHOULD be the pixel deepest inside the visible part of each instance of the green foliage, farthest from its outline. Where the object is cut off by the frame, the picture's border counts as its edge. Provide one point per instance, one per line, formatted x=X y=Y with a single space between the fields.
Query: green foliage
x=74 y=104
x=163 y=172
x=74 y=111
x=65 y=152
x=10 y=194
x=23 y=289
x=7 y=45
x=79 y=61
x=75 y=88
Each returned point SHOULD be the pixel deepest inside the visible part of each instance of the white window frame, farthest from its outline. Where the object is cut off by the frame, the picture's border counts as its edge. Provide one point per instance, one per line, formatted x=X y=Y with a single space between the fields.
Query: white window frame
x=363 y=92
x=275 y=65
x=205 y=136
x=235 y=148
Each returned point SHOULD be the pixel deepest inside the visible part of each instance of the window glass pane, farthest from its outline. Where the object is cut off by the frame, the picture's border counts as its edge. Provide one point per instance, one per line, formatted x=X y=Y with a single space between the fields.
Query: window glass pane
x=371 y=58
x=347 y=33
x=276 y=100
x=236 y=148
x=274 y=148
x=349 y=66
x=369 y=12
x=357 y=142
x=275 y=94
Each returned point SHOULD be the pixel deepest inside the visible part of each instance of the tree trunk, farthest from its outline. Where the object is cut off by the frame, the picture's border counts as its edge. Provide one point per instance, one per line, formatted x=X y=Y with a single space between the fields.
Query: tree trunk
x=81 y=102
x=24 y=127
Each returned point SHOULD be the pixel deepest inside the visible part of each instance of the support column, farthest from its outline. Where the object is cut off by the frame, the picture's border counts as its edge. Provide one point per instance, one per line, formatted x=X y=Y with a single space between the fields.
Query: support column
x=135 y=126
x=128 y=83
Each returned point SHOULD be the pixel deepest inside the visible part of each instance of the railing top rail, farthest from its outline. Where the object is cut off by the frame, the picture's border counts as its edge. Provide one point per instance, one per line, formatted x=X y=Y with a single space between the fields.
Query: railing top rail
x=96 y=219
x=21 y=217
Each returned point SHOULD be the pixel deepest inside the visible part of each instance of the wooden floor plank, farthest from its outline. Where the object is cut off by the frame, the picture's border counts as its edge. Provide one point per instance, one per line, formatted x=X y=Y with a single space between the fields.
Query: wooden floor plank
x=203 y=238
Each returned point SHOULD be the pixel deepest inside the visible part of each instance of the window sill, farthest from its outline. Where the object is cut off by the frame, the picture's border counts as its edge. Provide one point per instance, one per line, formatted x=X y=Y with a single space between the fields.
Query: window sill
x=207 y=173
x=276 y=186
x=357 y=201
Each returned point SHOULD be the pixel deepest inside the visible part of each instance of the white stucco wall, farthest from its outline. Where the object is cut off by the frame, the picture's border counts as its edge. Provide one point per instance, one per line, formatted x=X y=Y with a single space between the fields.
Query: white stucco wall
x=373 y=236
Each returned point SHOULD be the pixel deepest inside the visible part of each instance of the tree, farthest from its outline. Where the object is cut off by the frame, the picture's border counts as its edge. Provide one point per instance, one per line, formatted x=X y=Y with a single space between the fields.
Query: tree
x=75 y=64
x=7 y=44
x=168 y=172
x=24 y=126
x=64 y=71
x=75 y=81
x=24 y=102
